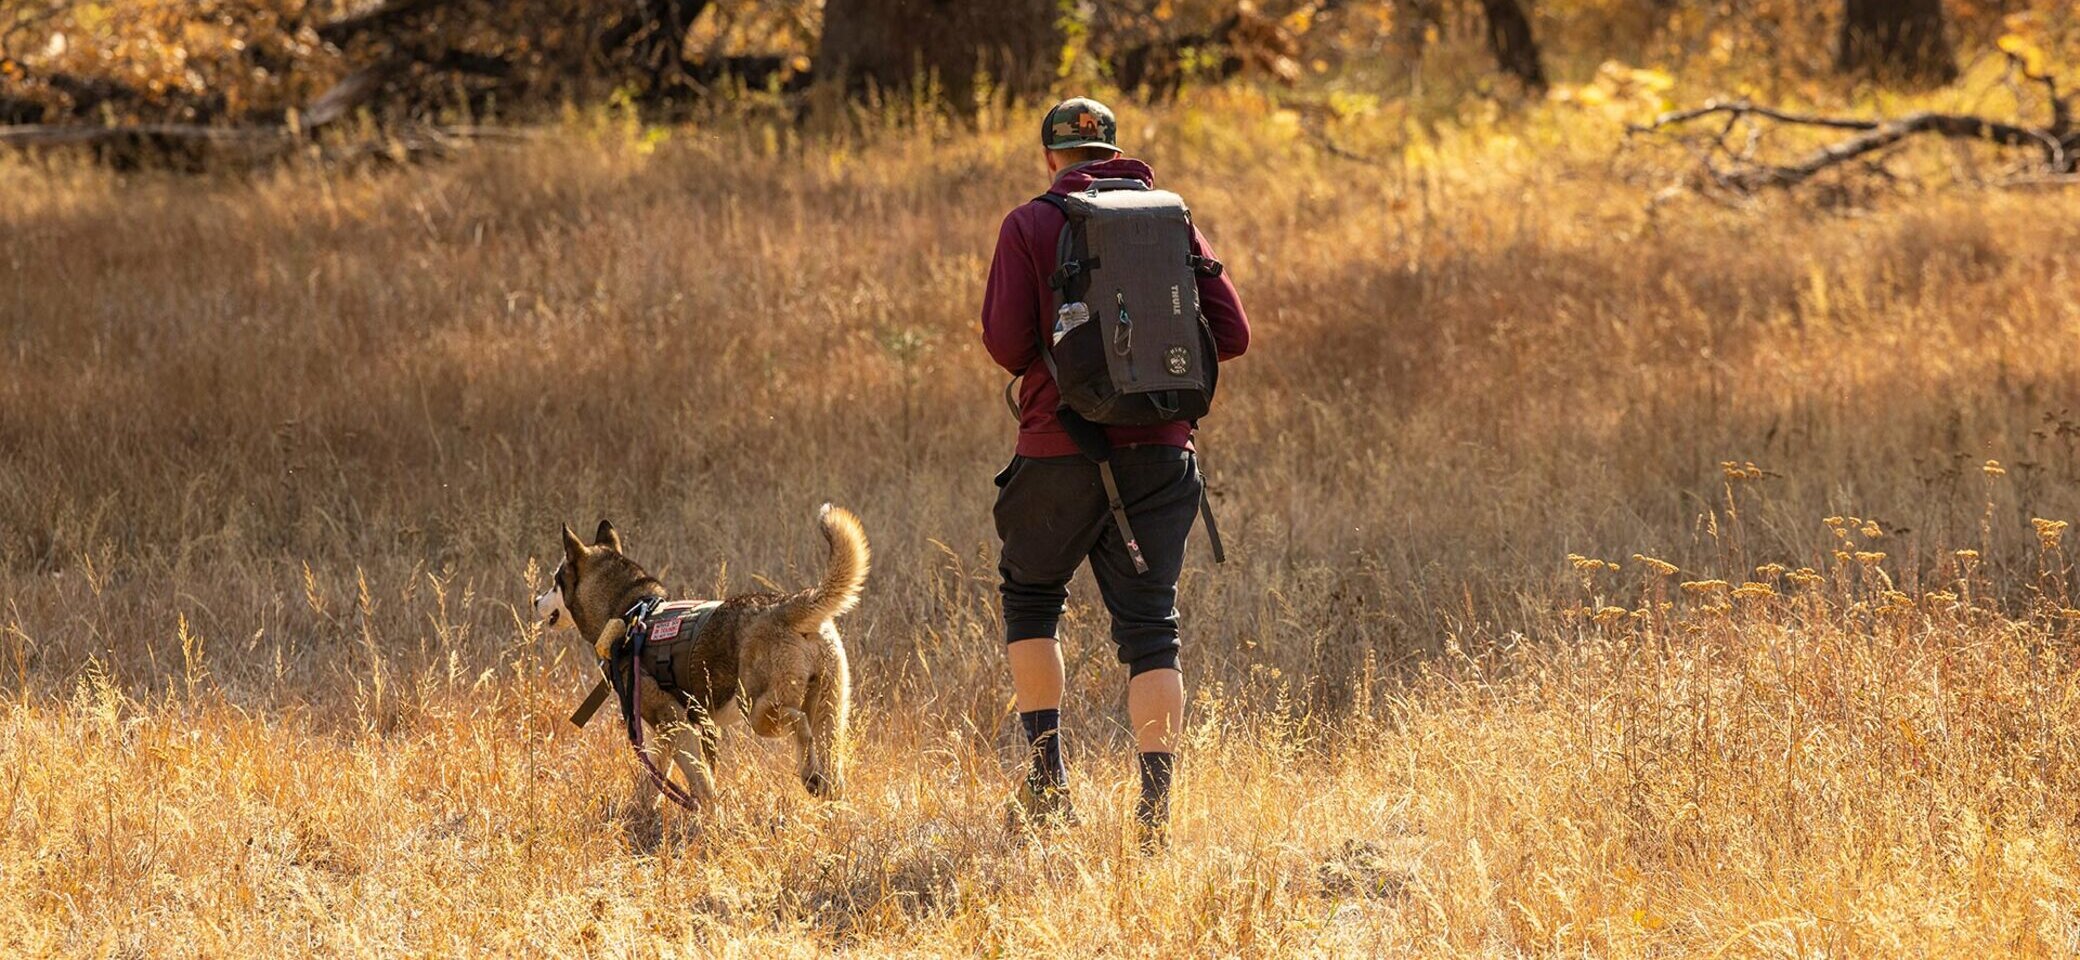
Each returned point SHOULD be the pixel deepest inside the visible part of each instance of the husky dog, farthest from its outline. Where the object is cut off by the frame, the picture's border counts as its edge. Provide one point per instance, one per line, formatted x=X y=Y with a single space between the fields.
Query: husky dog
x=778 y=657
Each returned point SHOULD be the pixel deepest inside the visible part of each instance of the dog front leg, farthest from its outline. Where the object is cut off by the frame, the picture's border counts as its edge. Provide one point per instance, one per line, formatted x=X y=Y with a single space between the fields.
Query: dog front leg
x=691 y=746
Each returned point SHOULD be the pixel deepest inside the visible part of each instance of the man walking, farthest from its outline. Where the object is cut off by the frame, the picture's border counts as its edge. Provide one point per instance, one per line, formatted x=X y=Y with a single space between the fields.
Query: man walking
x=1055 y=508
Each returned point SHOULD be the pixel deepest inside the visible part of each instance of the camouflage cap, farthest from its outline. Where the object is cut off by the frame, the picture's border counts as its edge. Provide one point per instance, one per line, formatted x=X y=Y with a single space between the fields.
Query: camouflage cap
x=1079 y=122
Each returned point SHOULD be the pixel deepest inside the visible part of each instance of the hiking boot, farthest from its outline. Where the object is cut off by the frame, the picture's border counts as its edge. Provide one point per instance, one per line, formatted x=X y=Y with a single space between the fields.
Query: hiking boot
x=1039 y=804
x=1152 y=829
x=1151 y=838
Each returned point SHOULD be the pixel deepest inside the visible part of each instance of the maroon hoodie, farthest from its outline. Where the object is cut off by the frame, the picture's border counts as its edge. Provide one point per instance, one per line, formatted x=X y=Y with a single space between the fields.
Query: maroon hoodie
x=1018 y=305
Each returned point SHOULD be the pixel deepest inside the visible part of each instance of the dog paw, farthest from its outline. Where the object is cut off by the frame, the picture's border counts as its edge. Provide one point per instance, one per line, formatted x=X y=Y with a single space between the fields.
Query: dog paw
x=644 y=828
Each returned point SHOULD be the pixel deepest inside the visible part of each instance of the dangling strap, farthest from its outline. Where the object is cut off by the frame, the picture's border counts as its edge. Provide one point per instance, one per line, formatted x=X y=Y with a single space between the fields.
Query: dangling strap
x=593 y=701
x=1119 y=516
x=1010 y=399
x=1213 y=530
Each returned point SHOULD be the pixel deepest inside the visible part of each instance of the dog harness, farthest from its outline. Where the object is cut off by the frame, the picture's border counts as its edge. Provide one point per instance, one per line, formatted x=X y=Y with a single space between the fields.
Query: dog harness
x=660 y=635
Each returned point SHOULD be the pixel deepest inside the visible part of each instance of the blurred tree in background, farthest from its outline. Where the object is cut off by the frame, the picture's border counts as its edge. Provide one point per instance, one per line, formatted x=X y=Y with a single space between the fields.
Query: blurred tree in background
x=1015 y=43
x=1902 y=40
x=227 y=62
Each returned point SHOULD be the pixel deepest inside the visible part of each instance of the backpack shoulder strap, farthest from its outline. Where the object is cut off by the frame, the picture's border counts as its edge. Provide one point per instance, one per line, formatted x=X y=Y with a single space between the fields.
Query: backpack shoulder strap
x=1073 y=255
x=1073 y=210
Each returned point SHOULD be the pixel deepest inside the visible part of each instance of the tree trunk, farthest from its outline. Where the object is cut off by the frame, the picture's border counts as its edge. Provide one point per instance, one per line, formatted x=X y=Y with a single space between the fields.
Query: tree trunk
x=654 y=36
x=893 y=43
x=1515 y=49
x=1895 y=41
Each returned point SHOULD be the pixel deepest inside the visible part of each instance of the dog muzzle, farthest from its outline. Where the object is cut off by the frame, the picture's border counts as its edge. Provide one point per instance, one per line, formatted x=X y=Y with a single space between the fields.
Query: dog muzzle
x=550 y=610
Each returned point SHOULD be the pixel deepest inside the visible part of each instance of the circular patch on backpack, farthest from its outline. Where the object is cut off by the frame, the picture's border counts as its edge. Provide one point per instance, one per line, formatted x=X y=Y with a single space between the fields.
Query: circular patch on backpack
x=1177 y=361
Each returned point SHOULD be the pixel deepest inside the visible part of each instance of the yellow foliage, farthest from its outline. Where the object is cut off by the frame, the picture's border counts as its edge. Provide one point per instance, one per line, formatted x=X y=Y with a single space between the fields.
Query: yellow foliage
x=2026 y=52
x=1619 y=91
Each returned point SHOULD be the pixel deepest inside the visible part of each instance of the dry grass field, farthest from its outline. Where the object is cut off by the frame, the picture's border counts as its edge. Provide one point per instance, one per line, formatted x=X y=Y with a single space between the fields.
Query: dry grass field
x=283 y=455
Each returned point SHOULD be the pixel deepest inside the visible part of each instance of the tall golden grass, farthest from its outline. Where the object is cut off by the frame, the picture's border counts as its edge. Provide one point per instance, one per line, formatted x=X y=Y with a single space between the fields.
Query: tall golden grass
x=285 y=454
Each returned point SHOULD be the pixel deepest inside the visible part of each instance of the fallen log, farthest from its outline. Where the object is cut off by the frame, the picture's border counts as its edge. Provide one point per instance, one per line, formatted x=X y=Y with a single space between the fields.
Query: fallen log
x=192 y=144
x=61 y=135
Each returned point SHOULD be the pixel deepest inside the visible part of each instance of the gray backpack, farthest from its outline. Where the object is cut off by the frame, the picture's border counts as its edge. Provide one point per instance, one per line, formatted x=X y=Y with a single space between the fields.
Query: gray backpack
x=1128 y=346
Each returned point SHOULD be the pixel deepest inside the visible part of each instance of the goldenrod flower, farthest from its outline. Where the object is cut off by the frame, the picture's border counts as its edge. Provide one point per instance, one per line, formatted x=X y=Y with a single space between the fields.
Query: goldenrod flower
x=1662 y=567
x=2048 y=531
x=1738 y=470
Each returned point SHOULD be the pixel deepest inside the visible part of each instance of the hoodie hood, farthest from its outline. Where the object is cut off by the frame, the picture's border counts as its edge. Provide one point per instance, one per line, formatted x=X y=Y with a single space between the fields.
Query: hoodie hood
x=1079 y=176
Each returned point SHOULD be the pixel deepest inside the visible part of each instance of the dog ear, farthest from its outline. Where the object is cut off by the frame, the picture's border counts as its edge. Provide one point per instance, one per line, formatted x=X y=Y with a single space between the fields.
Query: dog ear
x=607 y=537
x=573 y=548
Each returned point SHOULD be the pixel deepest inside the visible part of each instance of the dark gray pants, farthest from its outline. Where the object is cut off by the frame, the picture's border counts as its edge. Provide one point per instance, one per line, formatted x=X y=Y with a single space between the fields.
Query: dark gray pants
x=1052 y=516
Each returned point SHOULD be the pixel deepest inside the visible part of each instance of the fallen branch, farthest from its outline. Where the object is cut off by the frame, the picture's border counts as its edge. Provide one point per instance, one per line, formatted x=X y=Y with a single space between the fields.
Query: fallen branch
x=352 y=91
x=2057 y=145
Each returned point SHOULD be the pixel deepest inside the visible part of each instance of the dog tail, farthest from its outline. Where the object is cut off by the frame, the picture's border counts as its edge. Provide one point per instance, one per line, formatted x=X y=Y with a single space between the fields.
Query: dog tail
x=841 y=584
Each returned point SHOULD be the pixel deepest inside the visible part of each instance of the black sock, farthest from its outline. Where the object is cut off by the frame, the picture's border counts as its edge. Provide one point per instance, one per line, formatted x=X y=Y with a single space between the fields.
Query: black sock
x=1044 y=734
x=1154 y=806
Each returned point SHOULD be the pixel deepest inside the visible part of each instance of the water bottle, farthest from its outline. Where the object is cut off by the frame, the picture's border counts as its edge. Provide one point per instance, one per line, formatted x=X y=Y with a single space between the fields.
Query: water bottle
x=1069 y=317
